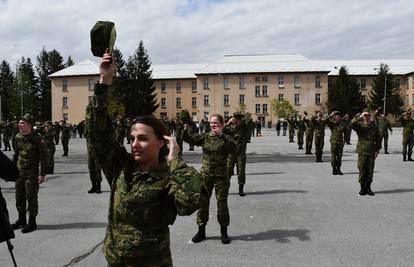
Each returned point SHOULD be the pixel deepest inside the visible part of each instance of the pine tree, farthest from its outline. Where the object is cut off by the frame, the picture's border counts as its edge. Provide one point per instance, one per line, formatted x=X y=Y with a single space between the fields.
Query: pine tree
x=345 y=95
x=141 y=98
x=6 y=88
x=385 y=81
x=69 y=62
x=117 y=93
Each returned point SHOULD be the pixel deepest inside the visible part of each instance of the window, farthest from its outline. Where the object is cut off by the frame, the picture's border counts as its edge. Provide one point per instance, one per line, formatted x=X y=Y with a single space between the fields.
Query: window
x=317 y=99
x=241 y=82
x=163 y=103
x=296 y=81
x=226 y=114
x=241 y=99
x=226 y=100
x=226 y=83
x=178 y=87
x=297 y=103
x=65 y=116
x=363 y=84
x=264 y=79
x=318 y=82
x=194 y=116
x=265 y=109
x=397 y=83
x=206 y=100
x=89 y=98
x=194 y=102
x=257 y=90
x=64 y=85
x=178 y=102
x=205 y=81
x=163 y=114
x=257 y=108
x=257 y=79
x=194 y=86
x=281 y=82
x=91 y=84
x=264 y=90
x=330 y=84
x=280 y=97
x=162 y=87
x=65 y=102
x=206 y=114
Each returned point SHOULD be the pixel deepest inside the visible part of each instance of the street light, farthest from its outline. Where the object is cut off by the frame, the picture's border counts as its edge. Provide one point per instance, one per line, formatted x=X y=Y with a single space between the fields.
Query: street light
x=385 y=89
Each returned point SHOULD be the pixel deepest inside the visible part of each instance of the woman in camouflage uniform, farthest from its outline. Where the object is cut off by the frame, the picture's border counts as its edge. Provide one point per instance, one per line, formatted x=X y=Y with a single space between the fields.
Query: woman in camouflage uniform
x=150 y=185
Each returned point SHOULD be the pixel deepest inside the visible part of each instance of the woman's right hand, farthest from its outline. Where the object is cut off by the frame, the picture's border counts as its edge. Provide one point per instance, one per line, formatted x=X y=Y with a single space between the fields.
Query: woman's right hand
x=174 y=148
x=107 y=69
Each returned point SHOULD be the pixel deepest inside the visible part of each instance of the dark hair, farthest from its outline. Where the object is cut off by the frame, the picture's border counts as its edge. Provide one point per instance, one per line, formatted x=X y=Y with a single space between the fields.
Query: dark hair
x=219 y=117
x=159 y=130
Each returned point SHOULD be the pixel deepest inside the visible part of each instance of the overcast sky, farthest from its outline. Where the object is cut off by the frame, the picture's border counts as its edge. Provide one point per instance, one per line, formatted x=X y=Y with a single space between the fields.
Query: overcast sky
x=179 y=31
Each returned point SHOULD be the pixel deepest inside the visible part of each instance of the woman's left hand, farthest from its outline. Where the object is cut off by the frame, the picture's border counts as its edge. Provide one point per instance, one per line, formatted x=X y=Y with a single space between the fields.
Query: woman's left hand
x=174 y=148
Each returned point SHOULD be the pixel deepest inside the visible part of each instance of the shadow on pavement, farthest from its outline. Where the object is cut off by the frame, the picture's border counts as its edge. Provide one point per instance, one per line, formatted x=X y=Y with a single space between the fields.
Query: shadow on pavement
x=264 y=173
x=272 y=192
x=281 y=236
x=80 y=225
x=395 y=191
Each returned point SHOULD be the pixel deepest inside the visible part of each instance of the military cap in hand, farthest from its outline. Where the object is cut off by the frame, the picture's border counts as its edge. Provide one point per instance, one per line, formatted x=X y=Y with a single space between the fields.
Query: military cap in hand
x=103 y=36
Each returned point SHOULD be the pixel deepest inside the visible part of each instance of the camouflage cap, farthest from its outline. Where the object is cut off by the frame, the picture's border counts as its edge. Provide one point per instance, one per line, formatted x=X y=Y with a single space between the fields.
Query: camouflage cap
x=238 y=116
x=27 y=117
x=337 y=113
x=184 y=115
x=366 y=111
x=103 y=36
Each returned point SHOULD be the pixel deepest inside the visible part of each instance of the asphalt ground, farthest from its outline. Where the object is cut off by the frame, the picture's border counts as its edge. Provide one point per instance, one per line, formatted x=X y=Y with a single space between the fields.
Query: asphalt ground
x=295 y=213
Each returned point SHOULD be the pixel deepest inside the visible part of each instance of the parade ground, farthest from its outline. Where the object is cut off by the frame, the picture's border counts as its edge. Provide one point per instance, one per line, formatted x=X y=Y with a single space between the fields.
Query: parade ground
x=295 y=213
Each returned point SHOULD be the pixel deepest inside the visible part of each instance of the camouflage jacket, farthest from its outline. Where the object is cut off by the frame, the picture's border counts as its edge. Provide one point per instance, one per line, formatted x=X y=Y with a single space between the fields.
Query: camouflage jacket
x=337 y=131
x=239 y=134
x=408 y=126
x=65 y=132
x=368 y=136
x=310 y=126
x=300 y=125
x=30 y=152
x=216 y=149
x=142 y=204
x=319 y=126
x=384 y=126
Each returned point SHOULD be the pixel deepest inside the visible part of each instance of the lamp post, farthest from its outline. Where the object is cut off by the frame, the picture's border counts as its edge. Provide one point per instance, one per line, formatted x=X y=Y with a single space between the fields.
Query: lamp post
x=385 y=89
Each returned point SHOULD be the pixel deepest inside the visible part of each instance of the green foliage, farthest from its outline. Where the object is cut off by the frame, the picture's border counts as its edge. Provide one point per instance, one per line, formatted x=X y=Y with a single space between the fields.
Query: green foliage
x=69 y=62
x=385 y=81
x=345 y=95
x=6 y=88
x=241 y=107
x=282 y=109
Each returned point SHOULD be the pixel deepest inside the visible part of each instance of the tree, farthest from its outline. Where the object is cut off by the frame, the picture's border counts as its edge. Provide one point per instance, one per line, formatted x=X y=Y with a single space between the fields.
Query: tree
x=393 y=100
x=282 y=109
x=118 y=91
x=345 y=95
x=6 y=88
x=69 y=62
x=141 y=97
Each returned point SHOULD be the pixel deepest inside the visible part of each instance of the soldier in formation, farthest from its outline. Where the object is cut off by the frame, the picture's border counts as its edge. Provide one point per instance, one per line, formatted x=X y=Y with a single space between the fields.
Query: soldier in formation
x=56 y=132
x=384 y=126
x=30 y=153
x=347 y=134
x=338 y=128
x=65 y=136
x=407 y=139
x=120 y=132
x=216 y=149
x=150 y=186
x=319 y=123
x=48 y=139
x=7 y=135
x=310 y=129
x=300 y=125
x=291 y=127
x=368 y=147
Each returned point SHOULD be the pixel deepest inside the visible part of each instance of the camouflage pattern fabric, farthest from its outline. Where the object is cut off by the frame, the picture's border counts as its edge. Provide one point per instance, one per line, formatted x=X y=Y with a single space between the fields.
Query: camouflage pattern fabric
x=337 y=142
x=65 y=136
x=368 y=144
x=407 y=140
x=384 y=127
x=142 y=204
x=291 y=129
x=29 y=154
x=179 y=129
x=310 y=129
x=319 y=125
x=7 y=134
x=49 y=142
x=300 y=125
x=56 y=133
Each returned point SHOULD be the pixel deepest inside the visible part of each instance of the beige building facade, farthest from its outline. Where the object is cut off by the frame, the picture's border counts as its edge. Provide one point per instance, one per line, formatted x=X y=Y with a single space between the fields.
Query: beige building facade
x=225 y=85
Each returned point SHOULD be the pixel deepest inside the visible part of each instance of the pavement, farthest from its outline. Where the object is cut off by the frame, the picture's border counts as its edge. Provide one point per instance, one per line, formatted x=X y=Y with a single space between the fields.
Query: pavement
x=295 y=213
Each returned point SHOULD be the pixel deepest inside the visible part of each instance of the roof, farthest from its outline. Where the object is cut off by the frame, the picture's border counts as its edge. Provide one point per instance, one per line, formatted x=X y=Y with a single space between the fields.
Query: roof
x=175 y=71
x=368 y=67
x=262 y=63
x=85 y=67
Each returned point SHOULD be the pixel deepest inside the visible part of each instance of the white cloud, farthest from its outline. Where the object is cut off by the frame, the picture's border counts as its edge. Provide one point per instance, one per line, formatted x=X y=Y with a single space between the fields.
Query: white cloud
x=199 y=31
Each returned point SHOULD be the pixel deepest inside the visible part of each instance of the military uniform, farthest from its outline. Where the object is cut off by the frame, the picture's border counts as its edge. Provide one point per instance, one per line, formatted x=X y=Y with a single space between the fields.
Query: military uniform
x=301 y=128
x=407 y=140
x=49 y=142
x=368 y=146
x=319 y=124
x=338 y=129
x=216 y=149
x=7 y=134
x=291 y=129
x=142 y=204
x=347 y=134
x=65 y=136
x=56 y=132
x=179 y=129
x=310 y=129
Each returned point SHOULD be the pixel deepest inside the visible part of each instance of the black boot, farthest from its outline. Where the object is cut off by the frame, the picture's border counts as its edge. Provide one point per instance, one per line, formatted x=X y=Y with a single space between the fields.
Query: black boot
x=409 y=158
x=98 y=188
x=386 y=152
x=31 y=226
x=334 y=171
x=404 y=157
x=338 y=170
x=225 y=239
x=21 y=221
x=363 y=190
x=93 y=189
x=200 y=235
x=50 y=170
x=241 y=192
x=369 y=191
x=318 y=158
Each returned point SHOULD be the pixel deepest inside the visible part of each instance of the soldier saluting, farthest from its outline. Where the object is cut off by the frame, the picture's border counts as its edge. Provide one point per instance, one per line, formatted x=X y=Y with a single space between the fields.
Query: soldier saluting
x=407 y=141
x=338 y=128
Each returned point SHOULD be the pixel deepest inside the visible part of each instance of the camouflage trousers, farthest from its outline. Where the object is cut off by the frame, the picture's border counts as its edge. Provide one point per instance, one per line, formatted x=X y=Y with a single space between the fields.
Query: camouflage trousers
x=336 y=155
x=56 y=136
x=6 y=142
x=51 y=156
x=385 y=138
x=238 y=158
x=319 y=143
x=180 y=144
x=94 y=169
x=407 y=146
x=26 y=191
x=291 y=135
x=366 y=163
x=309 y=141
x=221 y=185
x=347 y=136
x=65 y=145
x=300 y=138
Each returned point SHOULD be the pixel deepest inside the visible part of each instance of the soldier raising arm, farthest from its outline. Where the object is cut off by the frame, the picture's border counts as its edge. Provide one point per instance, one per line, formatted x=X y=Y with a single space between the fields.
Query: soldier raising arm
x=149 y=186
